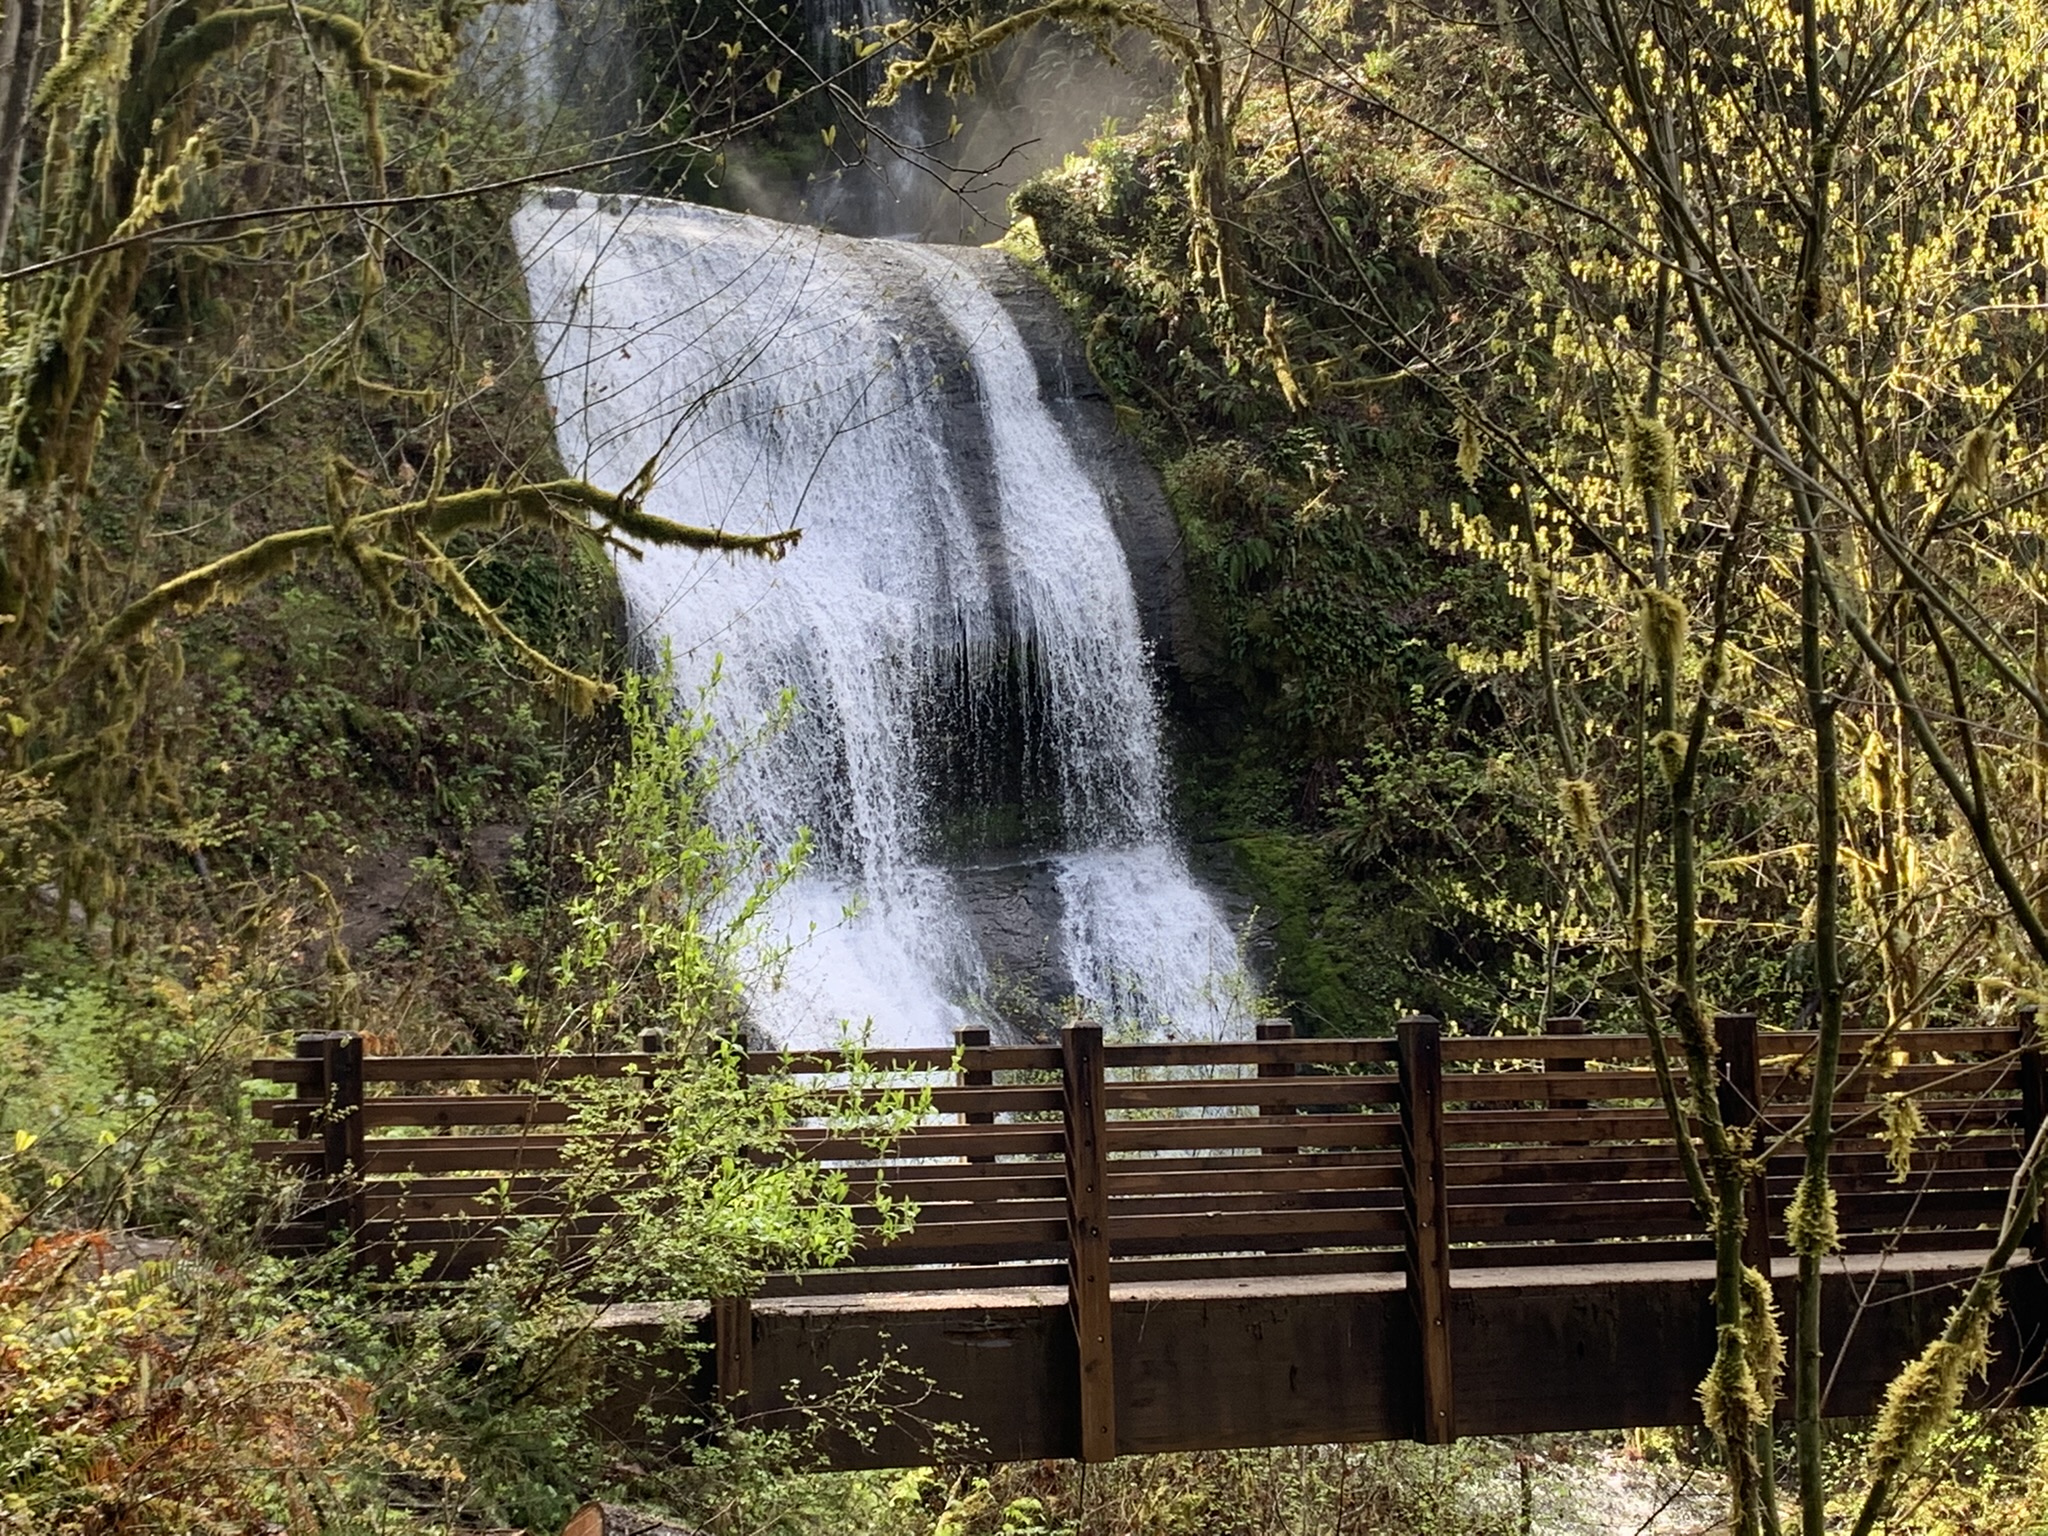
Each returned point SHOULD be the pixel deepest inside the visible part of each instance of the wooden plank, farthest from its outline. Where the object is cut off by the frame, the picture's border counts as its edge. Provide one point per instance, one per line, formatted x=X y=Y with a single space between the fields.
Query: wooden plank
x=1584 y=1234
x=1475 y=1196
x=1561 y=1155
x=1879 y=1180
x=1567 y=1046
x=506 y=1069
x=1464 y=1127
x=1627 y=1251
x=1980 y=1154
x=1333 y=1131
x=932 y=1212
x=1328 y=1052
x=1259 y=1266
x=1961 y=1080
x=1907 y=1207
x=447 y=1110
x=1041 y=1233
x=825 y=1145
x=870 y=1279
x=1604 y=1224
x=1427 y=1221
x=993 y=1058
x=285 y=1069
x=928 y=1185
x=1613 y=1163
x=1984 y=1039
x=1269 y=1094
x=1221 y=1228
x=1986 y=1116
x=1206 y=1163
x=1087 y=1144
x=466 y=1154
x=1560 y=1092
x=381 y=1113
x=1216 y=1202
x=1138 y=1177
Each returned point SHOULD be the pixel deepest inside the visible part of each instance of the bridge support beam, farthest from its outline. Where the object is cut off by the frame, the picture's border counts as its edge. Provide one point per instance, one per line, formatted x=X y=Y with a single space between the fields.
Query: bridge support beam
x=1087 y=1152
x=1308 y=1360
x=1420 y=1045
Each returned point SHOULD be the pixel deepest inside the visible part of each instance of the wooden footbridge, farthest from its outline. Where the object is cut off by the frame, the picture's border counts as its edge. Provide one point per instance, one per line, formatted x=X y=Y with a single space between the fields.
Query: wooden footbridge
x=1124 y=1248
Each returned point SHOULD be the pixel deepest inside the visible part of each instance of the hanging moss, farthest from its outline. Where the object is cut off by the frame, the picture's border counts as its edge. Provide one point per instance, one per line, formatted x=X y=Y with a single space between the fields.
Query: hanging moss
x=1925 y=1395
x=1810 y=1223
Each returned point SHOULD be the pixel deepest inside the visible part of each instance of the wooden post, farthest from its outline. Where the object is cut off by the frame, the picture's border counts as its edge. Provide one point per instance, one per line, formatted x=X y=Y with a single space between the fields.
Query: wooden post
x=1087 y=1150
x=732 y=1317
x=2033 y=1108
x=339 y=1089
x=1571 y=1025
x=970 y=1037
x=1276 y=1029
x=1740 y=1094
x=652 y=1045
x=732 y=1343
x=1419 y=1043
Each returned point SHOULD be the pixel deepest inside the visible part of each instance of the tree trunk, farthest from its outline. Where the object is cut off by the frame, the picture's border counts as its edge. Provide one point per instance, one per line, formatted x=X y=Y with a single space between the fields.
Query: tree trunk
x=21 y=38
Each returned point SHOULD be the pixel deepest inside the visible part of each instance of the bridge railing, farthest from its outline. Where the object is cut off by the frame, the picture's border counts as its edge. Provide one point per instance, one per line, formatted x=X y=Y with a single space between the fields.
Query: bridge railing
x=1207 y=1160
x=1088 y=1165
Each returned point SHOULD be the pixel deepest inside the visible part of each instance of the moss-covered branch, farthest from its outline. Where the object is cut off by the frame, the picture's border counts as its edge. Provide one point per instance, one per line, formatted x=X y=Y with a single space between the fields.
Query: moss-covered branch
x=955 y=45
x=178 y=63
x=413 y=531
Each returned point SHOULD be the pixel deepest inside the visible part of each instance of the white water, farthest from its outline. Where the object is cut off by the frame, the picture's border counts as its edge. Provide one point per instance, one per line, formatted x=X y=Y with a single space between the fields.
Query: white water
x=789 y=378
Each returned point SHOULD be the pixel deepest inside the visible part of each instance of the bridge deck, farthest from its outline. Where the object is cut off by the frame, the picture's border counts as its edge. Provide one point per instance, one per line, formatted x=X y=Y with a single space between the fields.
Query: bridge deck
x=1190 y=1245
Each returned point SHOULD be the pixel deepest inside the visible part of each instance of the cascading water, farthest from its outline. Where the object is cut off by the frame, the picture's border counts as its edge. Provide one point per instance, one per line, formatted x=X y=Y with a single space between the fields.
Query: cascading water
x=958 y=629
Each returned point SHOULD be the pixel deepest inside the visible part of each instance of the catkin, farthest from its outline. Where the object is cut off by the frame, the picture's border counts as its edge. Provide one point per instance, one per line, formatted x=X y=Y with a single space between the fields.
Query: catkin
x=1580 y=804
x=1664 y=627
x=1653 y=459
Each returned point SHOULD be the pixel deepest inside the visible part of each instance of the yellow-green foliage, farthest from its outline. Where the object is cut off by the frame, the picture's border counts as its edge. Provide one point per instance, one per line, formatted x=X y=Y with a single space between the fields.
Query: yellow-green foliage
x=144 y=1398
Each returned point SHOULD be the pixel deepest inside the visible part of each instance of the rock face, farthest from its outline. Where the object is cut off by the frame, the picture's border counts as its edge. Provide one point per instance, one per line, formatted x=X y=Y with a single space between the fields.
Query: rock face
x=1013 y=905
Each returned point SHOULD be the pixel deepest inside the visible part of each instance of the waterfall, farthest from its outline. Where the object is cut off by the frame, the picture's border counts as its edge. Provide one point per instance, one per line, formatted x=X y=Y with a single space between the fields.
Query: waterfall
x=953 y=653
